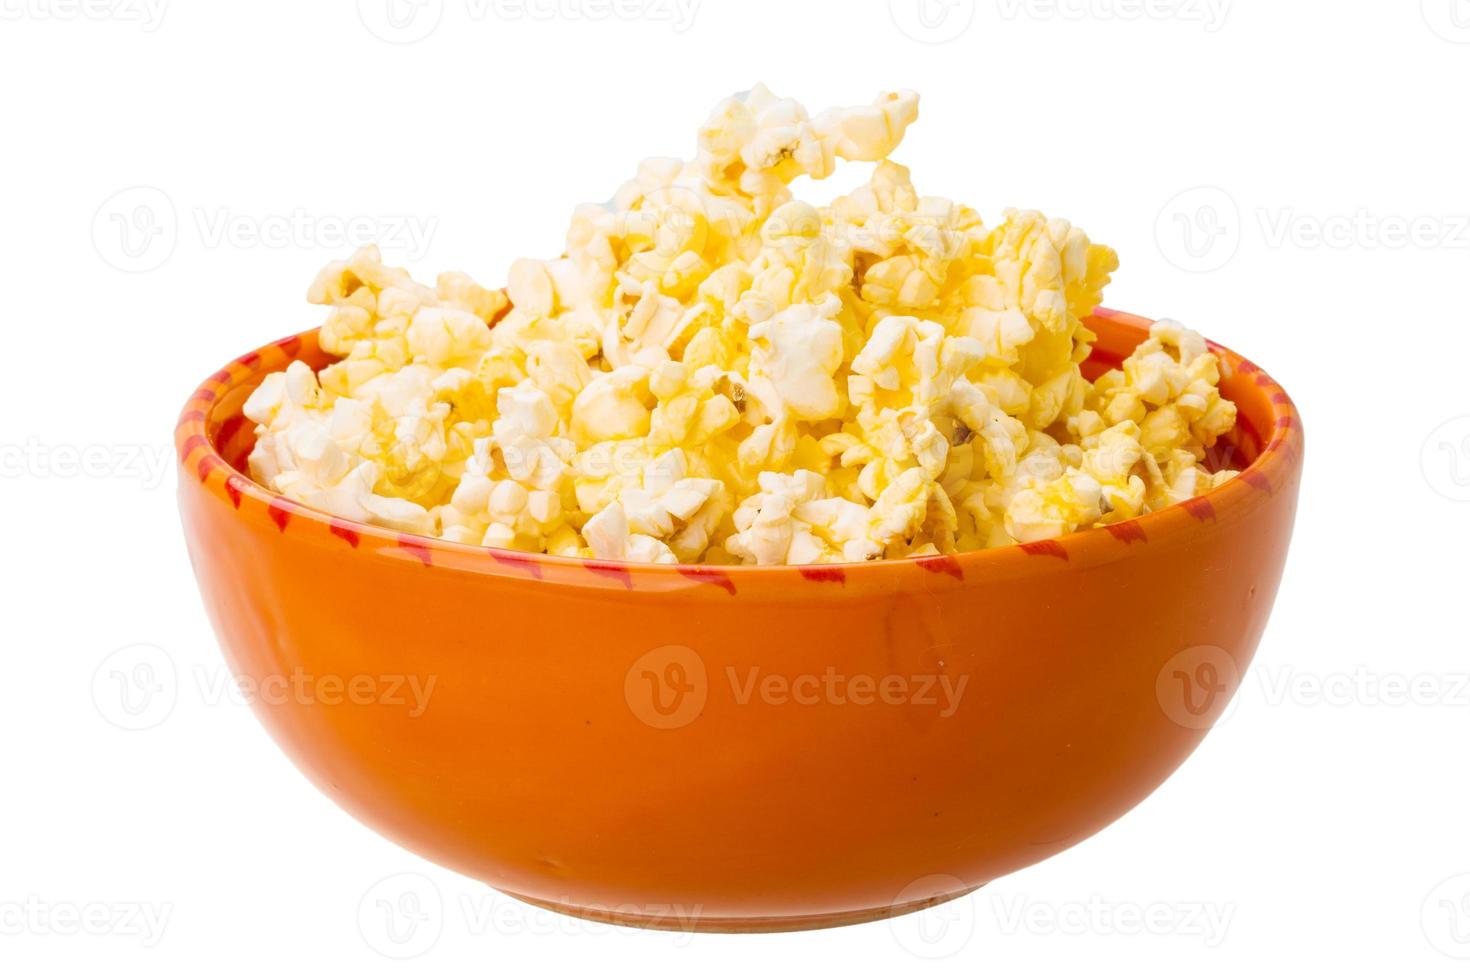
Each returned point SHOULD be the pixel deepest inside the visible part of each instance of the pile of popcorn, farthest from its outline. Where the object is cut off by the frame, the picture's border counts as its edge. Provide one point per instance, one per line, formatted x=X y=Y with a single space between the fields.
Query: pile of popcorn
x=716 y=372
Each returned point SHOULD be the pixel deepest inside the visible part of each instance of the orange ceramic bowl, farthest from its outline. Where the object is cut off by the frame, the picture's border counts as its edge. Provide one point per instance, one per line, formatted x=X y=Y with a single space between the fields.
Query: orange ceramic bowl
x=738 y=748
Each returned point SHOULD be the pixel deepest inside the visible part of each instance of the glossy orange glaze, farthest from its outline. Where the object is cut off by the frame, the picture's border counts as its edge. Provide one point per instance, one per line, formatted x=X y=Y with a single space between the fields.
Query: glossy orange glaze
x=739 y=747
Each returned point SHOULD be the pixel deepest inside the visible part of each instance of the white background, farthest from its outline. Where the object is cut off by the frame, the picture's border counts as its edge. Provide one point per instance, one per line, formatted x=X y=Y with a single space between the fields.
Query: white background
x=1320 y=827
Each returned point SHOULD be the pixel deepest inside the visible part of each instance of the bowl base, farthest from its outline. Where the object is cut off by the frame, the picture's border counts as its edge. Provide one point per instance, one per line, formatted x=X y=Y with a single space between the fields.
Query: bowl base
x=675 y=922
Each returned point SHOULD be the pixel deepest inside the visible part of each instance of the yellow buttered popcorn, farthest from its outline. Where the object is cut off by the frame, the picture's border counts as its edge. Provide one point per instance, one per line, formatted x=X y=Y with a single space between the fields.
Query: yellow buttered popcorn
x=716 y=372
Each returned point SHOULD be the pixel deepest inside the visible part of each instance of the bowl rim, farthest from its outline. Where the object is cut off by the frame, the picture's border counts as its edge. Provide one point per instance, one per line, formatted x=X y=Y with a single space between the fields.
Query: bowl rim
x=1275 y=466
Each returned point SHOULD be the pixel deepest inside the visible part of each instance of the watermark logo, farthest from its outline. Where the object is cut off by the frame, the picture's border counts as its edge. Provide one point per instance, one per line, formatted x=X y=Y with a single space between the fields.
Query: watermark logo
x=667 y=687
x=1208 y=922
x=1362 y=688
x=1196 y=685
x=147 y=465
x=147 y=14
x=136 y=229
x=1210 y=14
x=1445 y=917
x=136 y=687
x=400 y=21
x=35 y=916
x=1445 y=459
x=409 y=21
x=932 y=21
x=402 y=916
x=410 y=692
x=678 y=14
x=1198 y=230
x=1450 y=19
x=405 y=915
x=1362 y=229
x=407 y=233
x=937 y=931
x=834 y=687
x=487 y=912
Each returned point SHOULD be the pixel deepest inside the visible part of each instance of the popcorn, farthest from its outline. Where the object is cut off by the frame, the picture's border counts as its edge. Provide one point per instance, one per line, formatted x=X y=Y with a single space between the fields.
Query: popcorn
x=793 y=520
x=767 y=529
x=796 y=354
x=1169 y=387
x=609 y=536
x=613 y=405
x=714 y=371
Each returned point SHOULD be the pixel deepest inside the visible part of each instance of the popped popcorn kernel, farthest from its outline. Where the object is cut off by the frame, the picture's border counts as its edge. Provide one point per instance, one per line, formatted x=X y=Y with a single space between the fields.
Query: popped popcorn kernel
x=715 y=371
